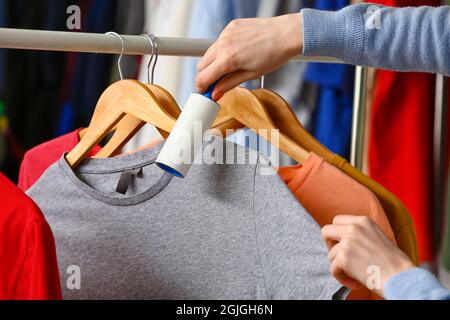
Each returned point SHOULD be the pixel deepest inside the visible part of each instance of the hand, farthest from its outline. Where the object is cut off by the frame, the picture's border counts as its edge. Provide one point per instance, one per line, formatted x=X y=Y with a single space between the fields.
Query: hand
x=355 y=244
x=248 y=49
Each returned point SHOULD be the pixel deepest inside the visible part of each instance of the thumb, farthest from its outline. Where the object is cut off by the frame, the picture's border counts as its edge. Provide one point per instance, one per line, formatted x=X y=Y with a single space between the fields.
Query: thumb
x=231 y=81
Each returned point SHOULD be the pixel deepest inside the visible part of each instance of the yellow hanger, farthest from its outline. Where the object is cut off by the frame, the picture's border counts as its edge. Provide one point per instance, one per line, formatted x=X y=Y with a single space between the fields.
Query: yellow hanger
x=244 y=106
x=285 y=119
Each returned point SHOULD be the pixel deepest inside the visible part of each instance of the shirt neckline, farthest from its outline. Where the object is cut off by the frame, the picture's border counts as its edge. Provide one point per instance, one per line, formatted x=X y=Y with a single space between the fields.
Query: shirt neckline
x=114 y=165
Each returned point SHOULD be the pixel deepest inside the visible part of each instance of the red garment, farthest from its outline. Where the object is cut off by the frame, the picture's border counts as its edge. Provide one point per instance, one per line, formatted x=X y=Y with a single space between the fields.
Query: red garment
x=38 y=159
x=28 y=267
x=401 y=141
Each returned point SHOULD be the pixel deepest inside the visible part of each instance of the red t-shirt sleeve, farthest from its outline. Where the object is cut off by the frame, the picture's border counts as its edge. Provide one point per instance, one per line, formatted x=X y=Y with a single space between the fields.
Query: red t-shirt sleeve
x=38 y=278
x=28 y=266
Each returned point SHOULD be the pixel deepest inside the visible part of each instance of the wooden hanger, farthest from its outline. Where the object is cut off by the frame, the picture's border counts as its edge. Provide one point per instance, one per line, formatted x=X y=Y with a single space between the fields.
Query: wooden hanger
x=244 y=106
x=286 y=120
x=130 y=125
x=119 y=99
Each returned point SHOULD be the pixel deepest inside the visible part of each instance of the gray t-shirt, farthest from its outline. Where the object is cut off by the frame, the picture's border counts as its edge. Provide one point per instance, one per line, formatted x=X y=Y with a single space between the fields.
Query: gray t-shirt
x=223 y=232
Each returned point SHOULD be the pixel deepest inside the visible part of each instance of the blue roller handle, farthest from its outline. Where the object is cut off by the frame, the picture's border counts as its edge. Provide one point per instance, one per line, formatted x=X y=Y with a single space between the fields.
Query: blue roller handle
x=209 y=92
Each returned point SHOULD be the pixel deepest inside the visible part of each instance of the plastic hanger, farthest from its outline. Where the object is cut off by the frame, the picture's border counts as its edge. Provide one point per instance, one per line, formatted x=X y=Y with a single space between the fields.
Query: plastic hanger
x=124 y=97
x=284 y=118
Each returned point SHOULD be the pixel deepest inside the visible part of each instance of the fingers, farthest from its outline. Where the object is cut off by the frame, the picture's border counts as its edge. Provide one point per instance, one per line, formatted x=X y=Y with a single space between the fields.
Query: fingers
x=208 y=58
x=231 y=81
x=210 y=74
x=339 y=263
x=349 y=219
x=334 y=233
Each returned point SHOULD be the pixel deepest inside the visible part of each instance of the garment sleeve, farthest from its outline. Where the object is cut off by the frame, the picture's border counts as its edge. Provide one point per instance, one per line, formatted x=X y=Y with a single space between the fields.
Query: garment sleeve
x=415 y=284
x=401 y=39
x=292 y=253
x=39 y=275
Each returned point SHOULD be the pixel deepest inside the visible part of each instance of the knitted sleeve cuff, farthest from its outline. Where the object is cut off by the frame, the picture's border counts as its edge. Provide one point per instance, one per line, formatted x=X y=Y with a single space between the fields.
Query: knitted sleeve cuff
x=338 y=34
x=415 y=284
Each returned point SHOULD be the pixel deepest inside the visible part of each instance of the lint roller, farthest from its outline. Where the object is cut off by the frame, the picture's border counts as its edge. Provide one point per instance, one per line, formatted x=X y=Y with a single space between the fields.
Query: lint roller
x=185 y=140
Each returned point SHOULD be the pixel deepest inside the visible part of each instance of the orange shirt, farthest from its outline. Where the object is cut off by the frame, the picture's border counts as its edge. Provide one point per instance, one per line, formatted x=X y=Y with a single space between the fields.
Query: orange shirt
x=326 y=192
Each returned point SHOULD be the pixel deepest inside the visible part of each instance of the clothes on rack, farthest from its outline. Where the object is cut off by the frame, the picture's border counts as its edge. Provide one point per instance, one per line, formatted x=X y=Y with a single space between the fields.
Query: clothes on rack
x=332 y=117
x=66 y=118
x=445 y=250
x=395 y=118
x=37 y=160
x=395 y=137
x=33 y=78
x=28 y=268
x=166 y=19
x=252 y=239
x=399 y=218
x=3 y=128
x=326 y=192
x=209 y=18
x=3 y=24
x=92 y=70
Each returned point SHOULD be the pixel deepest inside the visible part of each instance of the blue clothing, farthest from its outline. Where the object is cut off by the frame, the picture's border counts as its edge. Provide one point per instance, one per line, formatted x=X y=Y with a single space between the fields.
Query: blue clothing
x=415 y=284
x=3 y=24
x=92 y=71
x=400 y=39
x=208 y=19
x=332 y=119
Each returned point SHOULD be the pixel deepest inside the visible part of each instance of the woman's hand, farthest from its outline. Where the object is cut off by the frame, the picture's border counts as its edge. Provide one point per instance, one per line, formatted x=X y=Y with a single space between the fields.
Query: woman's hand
x=248 y=49
x=356 y=244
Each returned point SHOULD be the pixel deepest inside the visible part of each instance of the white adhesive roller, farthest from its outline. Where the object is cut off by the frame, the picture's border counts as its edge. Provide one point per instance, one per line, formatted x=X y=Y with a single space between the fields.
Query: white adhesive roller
x=185 y=140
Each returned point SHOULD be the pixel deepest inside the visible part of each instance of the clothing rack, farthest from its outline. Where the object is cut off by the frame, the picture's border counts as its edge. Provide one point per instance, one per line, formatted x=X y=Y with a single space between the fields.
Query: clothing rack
x=139 y=45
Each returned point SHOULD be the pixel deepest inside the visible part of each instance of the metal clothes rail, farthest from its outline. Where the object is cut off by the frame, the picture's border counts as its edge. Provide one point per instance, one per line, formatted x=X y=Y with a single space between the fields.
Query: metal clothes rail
x=139 y=45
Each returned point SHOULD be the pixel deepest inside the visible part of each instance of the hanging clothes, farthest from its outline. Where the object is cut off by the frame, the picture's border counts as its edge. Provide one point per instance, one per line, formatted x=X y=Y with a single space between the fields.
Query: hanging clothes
x=3 y=122
x=326 y=192
x=164 y=19
x=28 y=268
x=38 y=159
x=445 y=258
x=209 y=18
x=287 y=82
x=217 y=234
x=34 y=77
x=3 y=24
x=31 y=102
x=332 y=118
x=3 y=128
x=399 y=218
x=92 y=71
x=401 y=140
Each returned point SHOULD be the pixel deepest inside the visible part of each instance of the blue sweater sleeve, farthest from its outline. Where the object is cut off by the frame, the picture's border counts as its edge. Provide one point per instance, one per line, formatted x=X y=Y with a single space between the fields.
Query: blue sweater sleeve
x=415 y=284
x=401 y=39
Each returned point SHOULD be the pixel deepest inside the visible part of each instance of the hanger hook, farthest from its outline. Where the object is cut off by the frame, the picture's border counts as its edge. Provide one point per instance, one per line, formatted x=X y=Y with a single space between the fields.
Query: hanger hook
x=152 y=44
x=263 y=78
x=152 y=37
x=119 y=62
